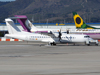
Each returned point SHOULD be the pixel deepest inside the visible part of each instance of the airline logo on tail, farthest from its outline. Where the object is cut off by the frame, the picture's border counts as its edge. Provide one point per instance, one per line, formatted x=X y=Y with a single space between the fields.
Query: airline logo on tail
x=80 y=23
x=22 y=19
x=25 y=23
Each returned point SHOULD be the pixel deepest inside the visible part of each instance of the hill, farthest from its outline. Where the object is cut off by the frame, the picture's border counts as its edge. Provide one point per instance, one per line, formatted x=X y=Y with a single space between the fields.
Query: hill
x=53 y=10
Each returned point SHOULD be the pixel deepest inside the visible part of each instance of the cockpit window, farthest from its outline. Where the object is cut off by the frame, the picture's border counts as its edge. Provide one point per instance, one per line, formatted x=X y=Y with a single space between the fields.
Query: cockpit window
x=86 y=36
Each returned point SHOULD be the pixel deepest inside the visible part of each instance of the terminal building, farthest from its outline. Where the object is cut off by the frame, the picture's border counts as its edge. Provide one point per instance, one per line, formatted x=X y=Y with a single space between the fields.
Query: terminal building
x=4 y=30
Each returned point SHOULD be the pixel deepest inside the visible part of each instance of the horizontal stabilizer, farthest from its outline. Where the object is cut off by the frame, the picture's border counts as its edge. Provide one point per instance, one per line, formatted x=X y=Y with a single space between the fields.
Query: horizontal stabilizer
x=18 y=17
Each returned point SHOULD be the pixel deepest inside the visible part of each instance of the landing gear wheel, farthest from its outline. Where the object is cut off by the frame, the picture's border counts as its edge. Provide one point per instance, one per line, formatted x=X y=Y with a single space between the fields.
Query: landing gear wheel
x=96 y=44
x=54 y=43
x=51 y=44
x=88 y=44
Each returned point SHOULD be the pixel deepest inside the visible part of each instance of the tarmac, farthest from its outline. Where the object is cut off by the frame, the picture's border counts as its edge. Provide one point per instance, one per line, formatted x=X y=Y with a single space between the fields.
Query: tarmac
x=28 y=58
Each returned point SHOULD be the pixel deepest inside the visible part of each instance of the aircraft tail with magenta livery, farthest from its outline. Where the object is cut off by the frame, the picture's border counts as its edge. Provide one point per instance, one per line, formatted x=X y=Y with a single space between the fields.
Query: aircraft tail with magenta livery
x=26 y=24
x=29 y=27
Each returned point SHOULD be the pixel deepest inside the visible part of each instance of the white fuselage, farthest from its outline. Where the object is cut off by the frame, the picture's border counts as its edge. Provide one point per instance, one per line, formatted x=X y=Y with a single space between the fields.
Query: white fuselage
x=45 y=36
x=65 y=38
x=93 y=33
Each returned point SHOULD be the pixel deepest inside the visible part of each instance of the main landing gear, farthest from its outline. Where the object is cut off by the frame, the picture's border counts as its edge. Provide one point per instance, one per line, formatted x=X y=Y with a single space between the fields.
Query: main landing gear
x=53 y=44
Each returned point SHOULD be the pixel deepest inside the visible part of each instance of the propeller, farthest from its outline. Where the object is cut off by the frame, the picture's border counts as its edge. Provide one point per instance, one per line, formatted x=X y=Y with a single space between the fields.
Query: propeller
x=60 y=34
x=67 y=31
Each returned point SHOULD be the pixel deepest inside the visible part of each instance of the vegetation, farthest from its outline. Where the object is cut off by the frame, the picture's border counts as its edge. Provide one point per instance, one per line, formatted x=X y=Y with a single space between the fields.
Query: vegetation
x=53 y=10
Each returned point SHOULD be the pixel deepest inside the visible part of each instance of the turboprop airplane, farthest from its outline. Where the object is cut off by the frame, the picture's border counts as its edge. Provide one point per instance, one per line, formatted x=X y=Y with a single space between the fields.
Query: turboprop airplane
x=15 y=32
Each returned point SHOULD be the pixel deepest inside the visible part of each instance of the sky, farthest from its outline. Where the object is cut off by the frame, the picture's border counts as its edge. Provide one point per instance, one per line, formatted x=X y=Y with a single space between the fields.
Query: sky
x=7 y=0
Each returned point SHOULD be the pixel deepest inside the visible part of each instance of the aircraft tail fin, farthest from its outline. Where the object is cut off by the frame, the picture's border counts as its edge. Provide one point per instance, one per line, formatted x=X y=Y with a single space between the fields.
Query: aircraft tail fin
x=11 y=26
x=79 y=23
x=25 y=23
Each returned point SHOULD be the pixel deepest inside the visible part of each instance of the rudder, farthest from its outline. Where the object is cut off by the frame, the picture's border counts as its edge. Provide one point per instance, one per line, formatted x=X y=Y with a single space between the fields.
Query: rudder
x=25 y=23
x=79 y=23
x=11 y=26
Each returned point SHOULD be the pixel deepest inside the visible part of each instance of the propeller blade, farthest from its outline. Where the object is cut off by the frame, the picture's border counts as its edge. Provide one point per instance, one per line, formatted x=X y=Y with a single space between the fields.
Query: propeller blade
x=60 y=34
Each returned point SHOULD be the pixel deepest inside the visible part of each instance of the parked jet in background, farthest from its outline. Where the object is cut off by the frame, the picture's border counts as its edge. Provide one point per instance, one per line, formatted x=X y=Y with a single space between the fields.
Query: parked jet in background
x=80 y=24
x=83 y=28
x=14 y=32
x=28 y=26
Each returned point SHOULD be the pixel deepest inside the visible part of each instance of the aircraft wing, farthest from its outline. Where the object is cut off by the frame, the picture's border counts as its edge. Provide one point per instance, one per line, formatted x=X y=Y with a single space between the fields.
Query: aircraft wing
x=48 y=33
